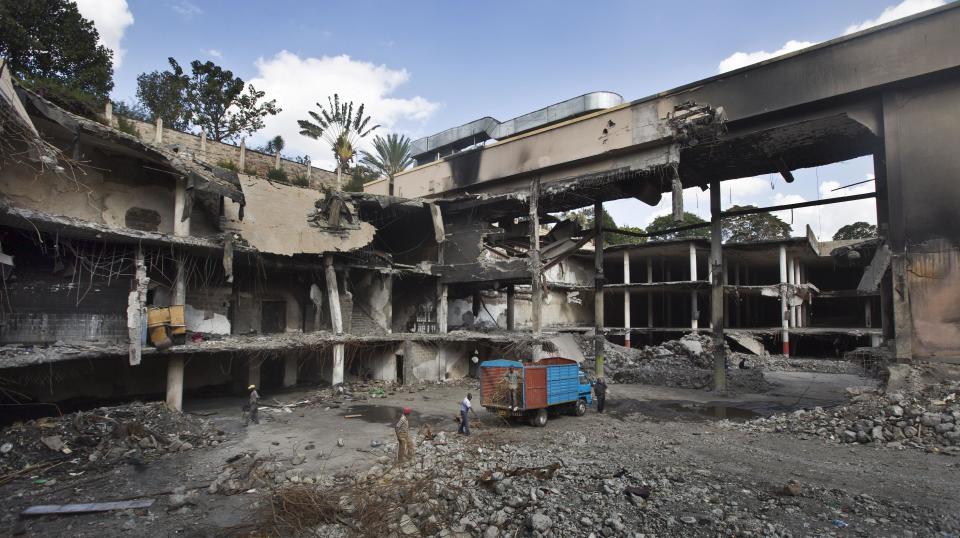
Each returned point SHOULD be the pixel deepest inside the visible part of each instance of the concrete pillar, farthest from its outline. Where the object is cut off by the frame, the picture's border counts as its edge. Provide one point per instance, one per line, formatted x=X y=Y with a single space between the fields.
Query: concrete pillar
x=737 y=307
x=790 y=272
x=649 y=293
x=626 y=298
x=181 y=228
x=536 y=267
x=333 y=296
x=716 y=291
x=175 y=367
x=158 y=133
x=694 y=315
x=747 y=300
x=253 y=372
x=108 y=113
x=511 y=308
x=388 y=308
x=289 y=370
x=867 y=315
x=203 y=143
x=338 y=352
x=441 y=308
x=726 y=301
x=276 y=161
x=667 y=298
x=784 y=316
x=798 y=320
x=599 y=339
x=242 y=163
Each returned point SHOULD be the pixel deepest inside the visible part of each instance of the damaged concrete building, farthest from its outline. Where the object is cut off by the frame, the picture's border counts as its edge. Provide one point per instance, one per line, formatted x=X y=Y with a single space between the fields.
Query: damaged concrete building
x=463 y=256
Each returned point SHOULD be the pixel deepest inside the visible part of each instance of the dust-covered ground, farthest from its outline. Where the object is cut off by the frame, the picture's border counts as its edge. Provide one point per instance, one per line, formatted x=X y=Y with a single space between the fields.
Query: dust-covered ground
x=660 y=462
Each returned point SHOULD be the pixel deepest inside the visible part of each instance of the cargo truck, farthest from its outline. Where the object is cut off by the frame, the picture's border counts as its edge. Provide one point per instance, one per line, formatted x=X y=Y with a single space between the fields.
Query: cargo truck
x=551 y=384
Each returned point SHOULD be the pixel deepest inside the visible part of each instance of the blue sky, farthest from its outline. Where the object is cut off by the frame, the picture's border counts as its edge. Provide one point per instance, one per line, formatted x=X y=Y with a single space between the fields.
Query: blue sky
x=422 y=67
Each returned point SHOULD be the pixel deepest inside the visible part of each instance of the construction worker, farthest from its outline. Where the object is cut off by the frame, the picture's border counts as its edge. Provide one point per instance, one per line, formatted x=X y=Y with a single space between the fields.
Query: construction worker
x=513 y=383
x=600 y=392
x=465 y=408
x=404 y=442
x=252 y=406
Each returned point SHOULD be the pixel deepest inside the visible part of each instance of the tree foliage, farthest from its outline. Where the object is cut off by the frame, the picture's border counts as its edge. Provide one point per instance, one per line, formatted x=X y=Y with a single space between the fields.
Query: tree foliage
x=360 y=175
x=585 y=218
x=856 y=230
x=339 y=125
x=131 y=110
x=274 y=145
x=666 y=222
x=754 y=227
x=54 y=50
x=219 y=106
x=391 y=156
x=164 y=95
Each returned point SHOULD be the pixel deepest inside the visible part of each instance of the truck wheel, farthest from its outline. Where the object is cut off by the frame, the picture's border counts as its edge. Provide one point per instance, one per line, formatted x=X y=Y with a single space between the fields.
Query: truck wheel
x=539 y=418
x=581 y=407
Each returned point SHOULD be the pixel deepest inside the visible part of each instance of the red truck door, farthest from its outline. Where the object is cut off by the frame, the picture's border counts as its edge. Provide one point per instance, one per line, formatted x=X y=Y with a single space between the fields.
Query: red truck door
x=535 y=387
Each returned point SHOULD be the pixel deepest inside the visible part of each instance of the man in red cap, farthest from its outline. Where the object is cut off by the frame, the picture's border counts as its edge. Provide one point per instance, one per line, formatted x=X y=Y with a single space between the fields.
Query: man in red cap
x=404 y=443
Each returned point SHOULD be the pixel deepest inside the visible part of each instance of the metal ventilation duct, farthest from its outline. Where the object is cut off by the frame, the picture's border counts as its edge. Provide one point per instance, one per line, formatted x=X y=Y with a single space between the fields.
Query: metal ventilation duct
x=444 y=143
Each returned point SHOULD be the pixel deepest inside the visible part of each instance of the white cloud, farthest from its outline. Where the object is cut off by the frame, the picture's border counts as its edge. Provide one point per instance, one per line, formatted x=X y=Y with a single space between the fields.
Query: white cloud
x=892 y=13
x=214 y=52
x=298 y=83
x=826 y=220
x=186 y=9
x=742 y=59
x=111 y=19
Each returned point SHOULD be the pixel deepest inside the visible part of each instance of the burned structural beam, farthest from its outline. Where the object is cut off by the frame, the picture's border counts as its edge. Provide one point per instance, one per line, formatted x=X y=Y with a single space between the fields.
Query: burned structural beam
x=599 y=339
x=717 y=320
x=536 y=268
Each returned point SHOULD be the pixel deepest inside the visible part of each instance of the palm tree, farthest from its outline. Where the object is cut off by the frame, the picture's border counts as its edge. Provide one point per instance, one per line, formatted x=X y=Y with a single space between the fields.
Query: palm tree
x=340 y=127
x=391 y=156
x=275 y=145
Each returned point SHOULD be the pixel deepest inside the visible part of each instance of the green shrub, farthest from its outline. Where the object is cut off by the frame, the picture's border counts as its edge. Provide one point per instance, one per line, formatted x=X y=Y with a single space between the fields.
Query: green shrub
x=126 y=126
x=229 y=165
x=277 y=174
x=301 y=181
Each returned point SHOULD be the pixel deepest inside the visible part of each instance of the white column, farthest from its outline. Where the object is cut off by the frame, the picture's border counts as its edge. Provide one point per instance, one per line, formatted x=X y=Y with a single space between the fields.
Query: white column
x=175 y=368
x=242 y=164
x=203 y=144
x=158 y=134
x=626 y=298
x=784 y=317
x=108 y=113
x=336 y=319
x=790 y=272
x=694 y=317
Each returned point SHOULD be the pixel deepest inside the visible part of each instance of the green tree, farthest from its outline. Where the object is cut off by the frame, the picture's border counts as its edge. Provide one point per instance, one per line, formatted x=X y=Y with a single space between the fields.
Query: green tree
x=54 y=50
x=341 y=127
x=218 y=105
x=390 y=157
x=753 y=227
x=131 y=110
x=164 y=95
x=360 y=175
x=666 y=222
x=274 y=145
x=585 y=217
x=857 y=230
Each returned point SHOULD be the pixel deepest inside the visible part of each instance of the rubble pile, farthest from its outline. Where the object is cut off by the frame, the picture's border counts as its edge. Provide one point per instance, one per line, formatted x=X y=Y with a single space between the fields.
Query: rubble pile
x=927 y=419
x=782 y=363
x=102 y=437
x=487 y=488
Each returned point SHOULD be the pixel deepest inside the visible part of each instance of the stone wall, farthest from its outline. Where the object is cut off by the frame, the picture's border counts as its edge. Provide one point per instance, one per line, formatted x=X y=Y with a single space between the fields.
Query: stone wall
x=255 y=162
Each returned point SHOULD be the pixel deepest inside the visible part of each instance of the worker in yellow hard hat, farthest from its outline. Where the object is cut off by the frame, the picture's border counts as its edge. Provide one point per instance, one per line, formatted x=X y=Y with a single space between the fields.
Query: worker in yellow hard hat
x=252 y=406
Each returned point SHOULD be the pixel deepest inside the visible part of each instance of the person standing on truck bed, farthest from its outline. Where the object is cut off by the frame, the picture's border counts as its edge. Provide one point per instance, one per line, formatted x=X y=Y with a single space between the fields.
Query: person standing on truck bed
x=600 y=392
x=465 y=408
x=513 y=383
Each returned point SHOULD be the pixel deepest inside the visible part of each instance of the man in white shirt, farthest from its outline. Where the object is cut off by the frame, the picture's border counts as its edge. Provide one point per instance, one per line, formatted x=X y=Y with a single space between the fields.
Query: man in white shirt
x=465 y=408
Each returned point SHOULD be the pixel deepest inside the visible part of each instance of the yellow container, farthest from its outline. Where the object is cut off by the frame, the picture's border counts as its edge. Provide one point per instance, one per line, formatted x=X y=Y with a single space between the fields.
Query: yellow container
x=178 y=323
x=158 y=316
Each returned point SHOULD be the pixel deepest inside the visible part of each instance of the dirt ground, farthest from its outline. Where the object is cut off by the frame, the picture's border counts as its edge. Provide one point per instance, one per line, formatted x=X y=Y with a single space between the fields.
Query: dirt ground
x=645 y=428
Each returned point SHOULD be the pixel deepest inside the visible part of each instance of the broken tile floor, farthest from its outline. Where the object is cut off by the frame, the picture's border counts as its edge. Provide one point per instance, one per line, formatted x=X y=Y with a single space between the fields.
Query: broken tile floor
x=706 y=475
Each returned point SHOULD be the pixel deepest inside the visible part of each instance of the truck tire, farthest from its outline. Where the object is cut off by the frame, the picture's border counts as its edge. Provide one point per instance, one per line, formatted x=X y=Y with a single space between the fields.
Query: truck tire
x=538 y=418
x=580 y=408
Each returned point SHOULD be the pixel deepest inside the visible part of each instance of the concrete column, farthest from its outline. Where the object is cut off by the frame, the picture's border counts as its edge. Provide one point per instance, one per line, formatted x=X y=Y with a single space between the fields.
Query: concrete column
x=388 y=308
x=694 y=316
x=441 y=308
x=108 y=113
x=253 y=372
x=242 y=163
x=333 y=296
x=511 y=308
x=790 y=272
x=203 y=143
x=175 y=367
x=798 y=319
x=649 y=293
x=716 y=291
x=536 y=267
x=726 y=302
x=626 y=298
x=747 y=300
x=158 y=133
x=736 y=282
x=599 y=339
x=289 y=370
x=784 y=316
x=276 y=161
x=667 y=298
x=181 y=228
